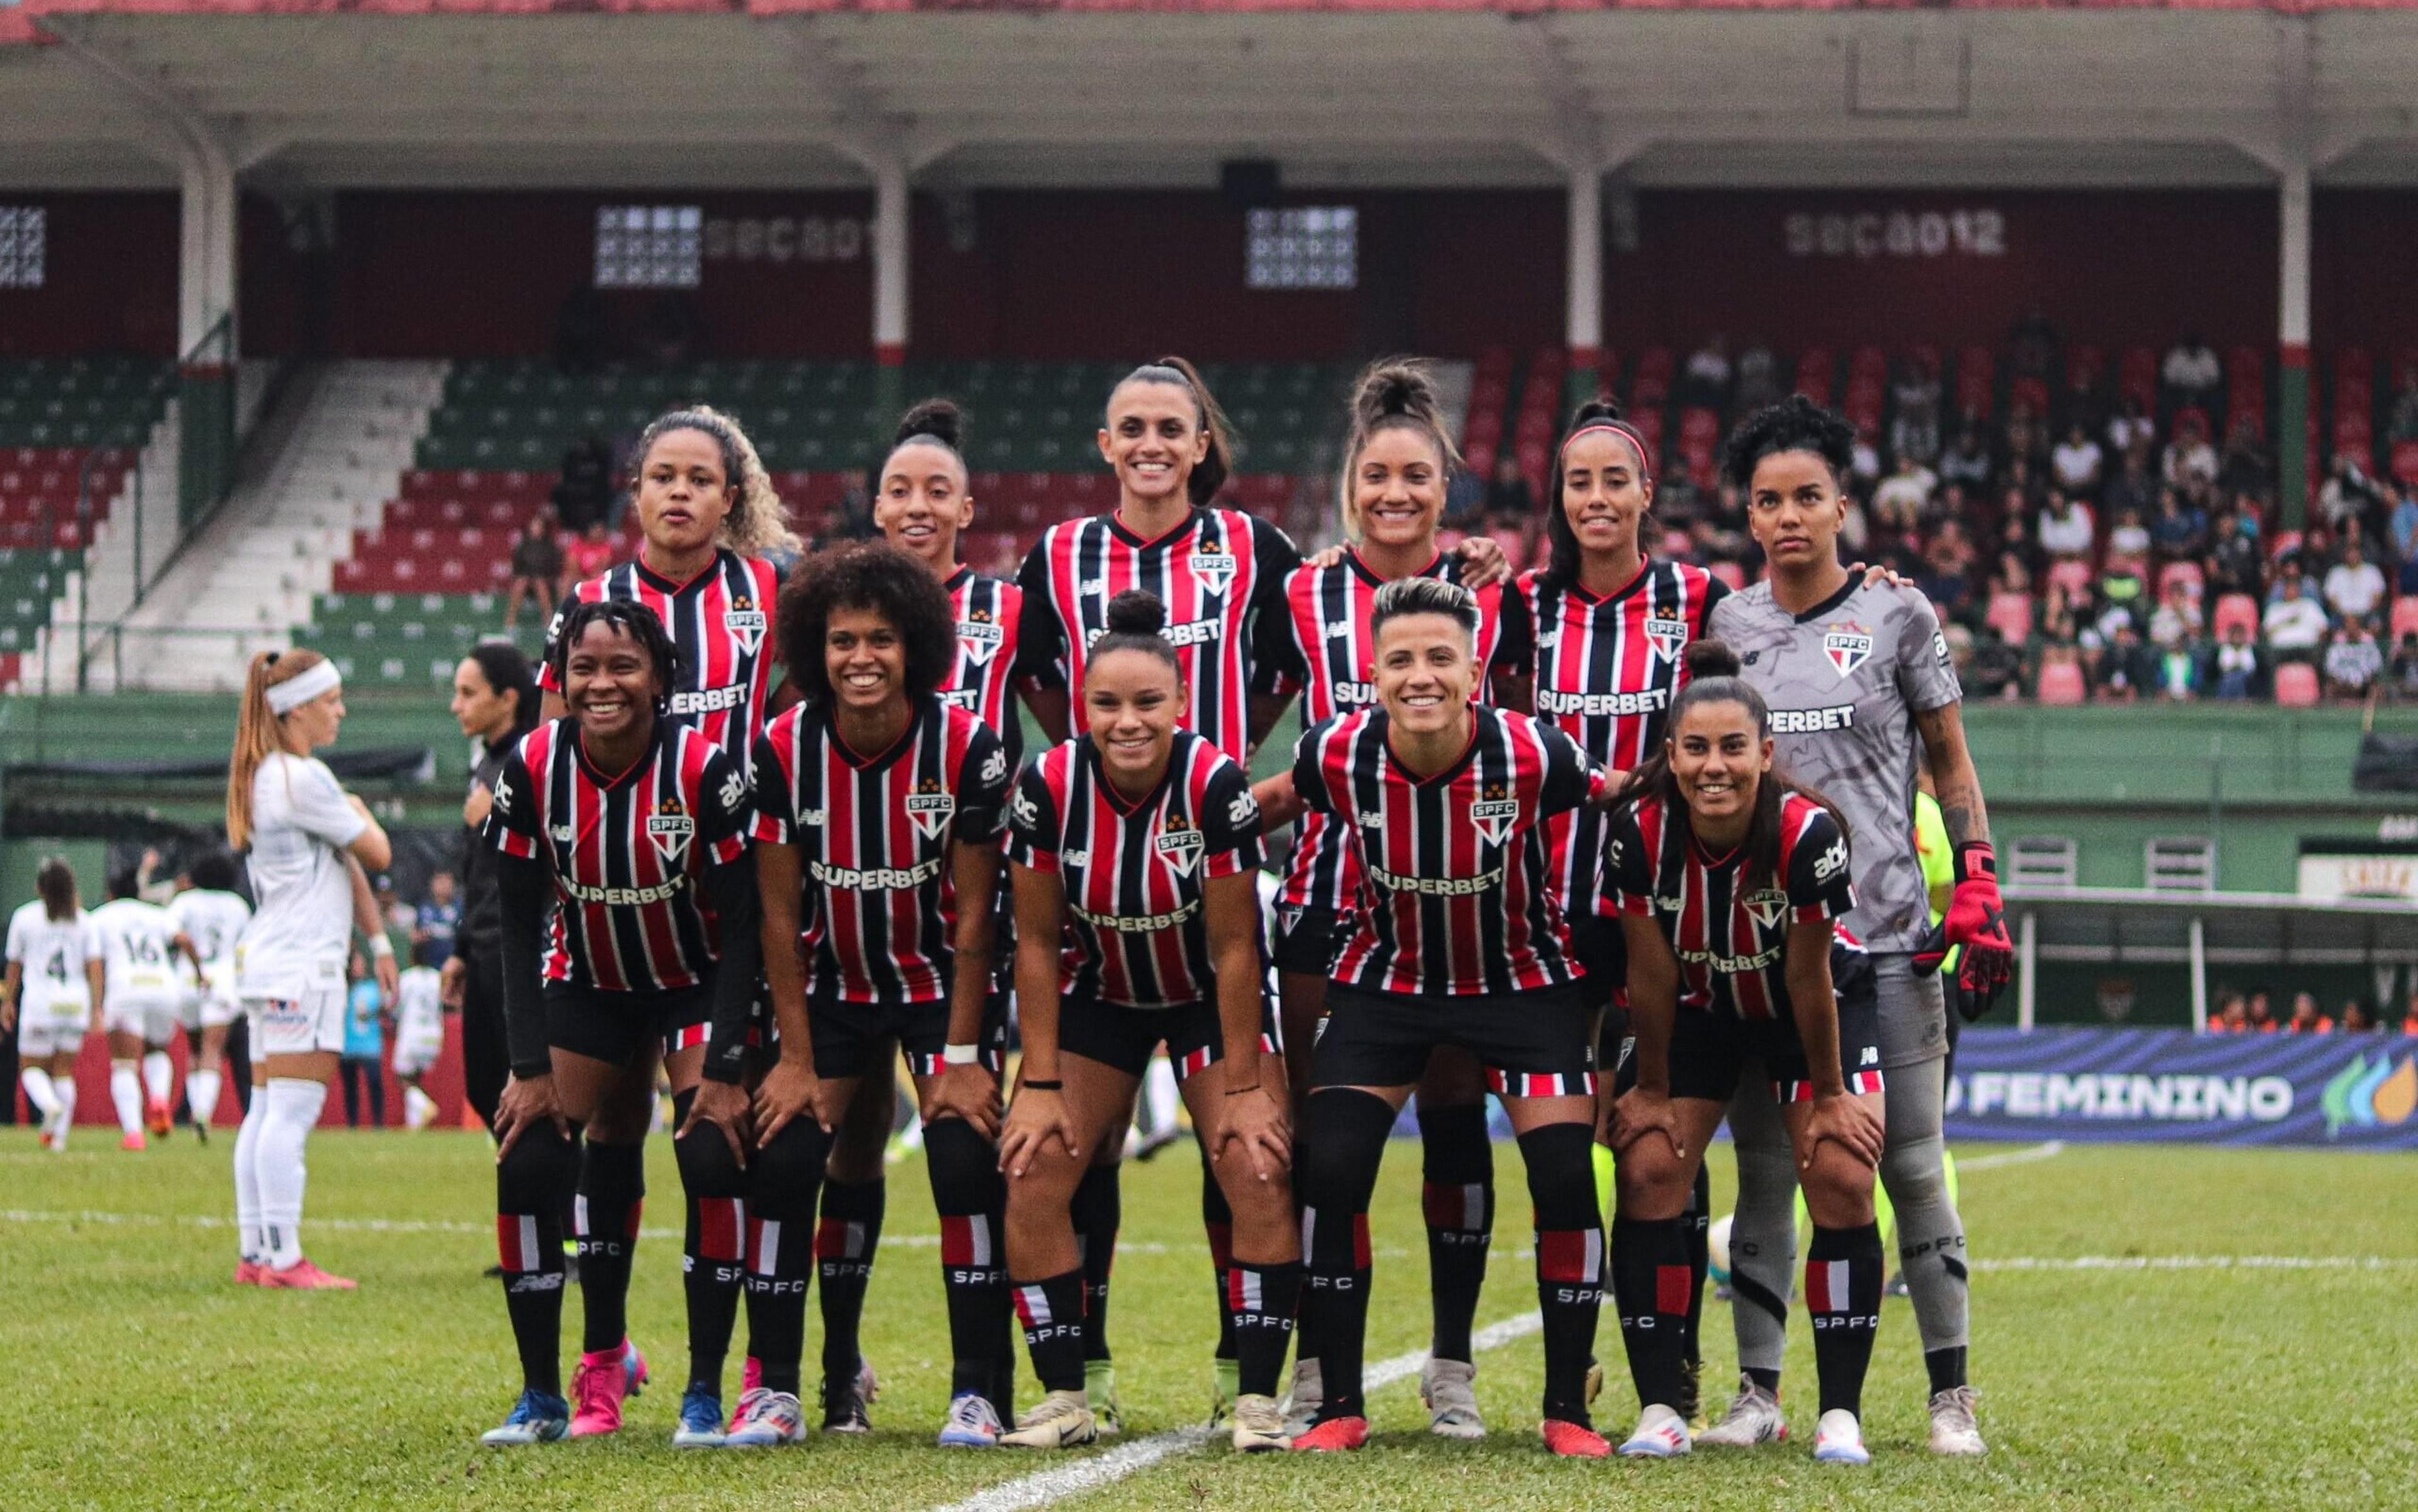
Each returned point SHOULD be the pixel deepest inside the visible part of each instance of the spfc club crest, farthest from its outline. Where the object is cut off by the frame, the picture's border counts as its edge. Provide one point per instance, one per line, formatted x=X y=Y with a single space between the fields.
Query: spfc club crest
x=1213 y=565
x=978 y=637
x=670 y=828
x=1181 y=846
x=1770 y=907
x=930 y=808
x=1666 y=635
x=1494 y=814
x=1848 y=647
x=746 y=624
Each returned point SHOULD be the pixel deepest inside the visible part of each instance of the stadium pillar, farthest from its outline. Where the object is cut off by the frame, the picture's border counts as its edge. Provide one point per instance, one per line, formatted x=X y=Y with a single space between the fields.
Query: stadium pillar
x=206 y=333
x=2292 y=445
x=1583 y=301
x=892 y=212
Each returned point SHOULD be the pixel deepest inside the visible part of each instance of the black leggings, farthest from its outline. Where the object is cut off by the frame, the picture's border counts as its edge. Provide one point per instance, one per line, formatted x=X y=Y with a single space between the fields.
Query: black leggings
x=485 y=1064
x=356 y=1070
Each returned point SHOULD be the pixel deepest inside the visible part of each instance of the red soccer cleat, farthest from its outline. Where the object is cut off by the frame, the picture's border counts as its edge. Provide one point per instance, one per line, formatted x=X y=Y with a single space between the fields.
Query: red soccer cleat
x=1333 y=1436
x=132 y=1141
x=1573 y=1442
x=247 y=1272
x=158 y=1117
x=303 y=1276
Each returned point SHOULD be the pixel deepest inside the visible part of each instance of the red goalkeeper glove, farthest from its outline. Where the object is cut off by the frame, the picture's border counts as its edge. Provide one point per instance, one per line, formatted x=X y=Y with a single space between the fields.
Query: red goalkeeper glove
x=1977 y=920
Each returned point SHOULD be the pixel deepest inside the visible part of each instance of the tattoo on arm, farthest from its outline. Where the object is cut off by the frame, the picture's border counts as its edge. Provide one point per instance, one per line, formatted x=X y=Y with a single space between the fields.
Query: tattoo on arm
x=1959 y=788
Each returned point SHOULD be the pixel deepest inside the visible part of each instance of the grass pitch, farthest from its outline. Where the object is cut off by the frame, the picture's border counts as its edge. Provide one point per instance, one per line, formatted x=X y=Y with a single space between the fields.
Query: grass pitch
x=143 y=1379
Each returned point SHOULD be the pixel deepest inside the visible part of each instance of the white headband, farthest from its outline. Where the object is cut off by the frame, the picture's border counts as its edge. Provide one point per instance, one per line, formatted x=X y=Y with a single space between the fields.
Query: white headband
x=286 y=696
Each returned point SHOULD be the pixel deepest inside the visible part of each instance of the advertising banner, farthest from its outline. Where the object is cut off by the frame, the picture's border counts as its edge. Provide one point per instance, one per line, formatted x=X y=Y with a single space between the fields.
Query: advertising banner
x=2344 y=1092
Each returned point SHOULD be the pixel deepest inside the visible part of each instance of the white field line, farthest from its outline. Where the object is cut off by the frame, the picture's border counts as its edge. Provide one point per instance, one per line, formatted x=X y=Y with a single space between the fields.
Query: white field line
x=1045 y=1487
x=2049 y=1149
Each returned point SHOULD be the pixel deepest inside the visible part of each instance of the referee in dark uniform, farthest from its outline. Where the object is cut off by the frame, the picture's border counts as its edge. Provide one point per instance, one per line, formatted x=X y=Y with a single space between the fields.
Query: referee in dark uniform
x=496 y=702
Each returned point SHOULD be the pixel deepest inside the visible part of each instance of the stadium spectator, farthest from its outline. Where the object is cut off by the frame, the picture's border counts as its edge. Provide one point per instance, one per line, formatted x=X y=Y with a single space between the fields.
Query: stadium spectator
x=2077 y=463
x=2261 y=1017
x=2294 y=624
x=2244 y=467
x=2353 y=588
x=583 y=493
x=1915 y=432
x=2128 y=542
x=1947 y=575
x=2130 y=432
x=849 y=518
x=2067 y=531
x=1902 y=495
x=1510 y=503
x=2192 y=370
x=2128 y=666
x=364 y=1047
x=2232 y=1015
x=2234 y=669
x=1706 y=380
x=1864 y=470
x=2348 y=492
x=1967 y=463
x=2178 y=530
x=2356 y=1020
x=2132 y=488
x=436 y=921
x=2307 y=1018
x=2026 y=437
x=537 y=568
x=2190 y=462
x=2178 y=620
x=1758 y=376
x=588 y=555
x=1997 y=668
x=2179 y=670
x=2401 y=677
x=2012 y=575
x=2353 y=661
x=2404 y=424
x=2234 y=562
x=2402 y=525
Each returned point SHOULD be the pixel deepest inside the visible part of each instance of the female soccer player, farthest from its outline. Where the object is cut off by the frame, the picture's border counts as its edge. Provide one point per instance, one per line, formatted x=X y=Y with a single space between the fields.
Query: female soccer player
x=1136 y=851
x=634 y=827
x=1396 y=467
x=496 y=703
x=52 y=985
x=1726 y=881
x=210 y=916
x=309 y=841
x=139 y=1006
x=419 y=1040
x=879 y=807
x=1457 y=940
x=711 y=518
x=1860 y=688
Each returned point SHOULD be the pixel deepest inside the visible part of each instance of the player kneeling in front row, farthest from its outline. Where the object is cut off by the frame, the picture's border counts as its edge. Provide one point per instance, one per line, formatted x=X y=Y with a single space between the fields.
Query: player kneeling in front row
x=1137 y=849
x=1727 y=881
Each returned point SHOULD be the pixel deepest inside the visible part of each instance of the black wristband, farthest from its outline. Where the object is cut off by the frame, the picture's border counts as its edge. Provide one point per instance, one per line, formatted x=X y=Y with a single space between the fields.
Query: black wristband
x=1045 y=1086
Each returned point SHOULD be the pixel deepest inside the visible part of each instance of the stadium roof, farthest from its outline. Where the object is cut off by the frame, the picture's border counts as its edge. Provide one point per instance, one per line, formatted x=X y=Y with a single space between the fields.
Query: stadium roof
x=315 y=94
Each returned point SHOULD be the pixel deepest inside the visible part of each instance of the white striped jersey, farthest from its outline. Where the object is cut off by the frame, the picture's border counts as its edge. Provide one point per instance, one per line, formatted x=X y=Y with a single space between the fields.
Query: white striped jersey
x=626 y=851
x=1333 y=660
x=722 y=621
x=1135 y=872
x=989 y=613
x=876 y=831
x=1222 y=575
x=1607 y=669
x=1453 y=899
x=1729 y=930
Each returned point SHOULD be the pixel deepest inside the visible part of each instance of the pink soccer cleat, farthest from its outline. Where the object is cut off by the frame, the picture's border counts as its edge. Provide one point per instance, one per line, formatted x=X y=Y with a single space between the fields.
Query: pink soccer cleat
x=132 y=1141
x=303 y=1276
x=598 y=1387
x=247 y=1271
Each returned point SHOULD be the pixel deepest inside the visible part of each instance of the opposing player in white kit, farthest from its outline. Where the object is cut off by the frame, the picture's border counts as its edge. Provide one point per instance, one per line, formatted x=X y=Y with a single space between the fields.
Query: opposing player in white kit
x=1861 y=691
x=210 y=916
x=52 y=980
x=418 y=1039
x=139 y=1006
x=308 y=840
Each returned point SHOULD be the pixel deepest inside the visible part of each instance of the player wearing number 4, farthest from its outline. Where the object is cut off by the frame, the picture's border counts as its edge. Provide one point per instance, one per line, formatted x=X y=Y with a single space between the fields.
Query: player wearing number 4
x=54 y=980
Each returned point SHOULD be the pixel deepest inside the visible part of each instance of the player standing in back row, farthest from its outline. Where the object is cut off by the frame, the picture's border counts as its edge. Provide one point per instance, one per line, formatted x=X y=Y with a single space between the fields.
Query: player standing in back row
x=1855 y=671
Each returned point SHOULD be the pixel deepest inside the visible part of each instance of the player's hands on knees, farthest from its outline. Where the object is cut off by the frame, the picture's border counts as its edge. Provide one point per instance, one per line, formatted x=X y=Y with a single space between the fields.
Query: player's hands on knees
x=966 y=1092
x=1254 y=1118
x=1851 y=1122
x=790 y=1090
x=1638 y=1113
x=725 y=1105
x=523 y=1105
x=1034 y=1119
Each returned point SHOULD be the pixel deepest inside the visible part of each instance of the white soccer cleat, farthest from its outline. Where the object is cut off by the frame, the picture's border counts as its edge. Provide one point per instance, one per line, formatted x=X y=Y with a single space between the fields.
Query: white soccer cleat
x=1448 y=1386
x=1307 y=1395
x=972 y=1424
x=1839 y=1439
x=767 y=1418
x=1953 y=1428
x=1754 y=1417
x=1062 y=1420
x=1260 y=1424
x=1661 y=1434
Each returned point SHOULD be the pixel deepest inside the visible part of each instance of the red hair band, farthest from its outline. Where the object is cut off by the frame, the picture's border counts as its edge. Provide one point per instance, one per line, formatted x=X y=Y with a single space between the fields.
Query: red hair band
x=1619 y=428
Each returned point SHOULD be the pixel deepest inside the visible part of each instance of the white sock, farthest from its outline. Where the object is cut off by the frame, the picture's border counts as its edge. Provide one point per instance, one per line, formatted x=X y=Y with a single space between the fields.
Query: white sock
x=246 y=1178
x=38 y=1091
x=65 y=1091
x=202 y=1095
x=159 y=1075
x=418 y=1109
x=125 y=1091
x=294 y=1106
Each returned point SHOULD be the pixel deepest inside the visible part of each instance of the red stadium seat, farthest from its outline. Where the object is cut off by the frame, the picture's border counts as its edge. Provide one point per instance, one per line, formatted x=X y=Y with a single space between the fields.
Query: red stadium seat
x=2072 y=576
x=2182 y=572
x=2138 y=378
x=2060 y=684
x=2234 y=609
x=2405 y=616
x=2296 y=685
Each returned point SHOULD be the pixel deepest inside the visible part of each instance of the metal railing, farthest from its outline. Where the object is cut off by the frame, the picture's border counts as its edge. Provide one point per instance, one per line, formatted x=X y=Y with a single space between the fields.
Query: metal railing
x=212 y=658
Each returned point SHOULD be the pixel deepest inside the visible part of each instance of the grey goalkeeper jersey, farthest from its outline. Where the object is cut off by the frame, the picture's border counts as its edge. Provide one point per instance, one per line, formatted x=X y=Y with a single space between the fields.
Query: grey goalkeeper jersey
x=1844 y=680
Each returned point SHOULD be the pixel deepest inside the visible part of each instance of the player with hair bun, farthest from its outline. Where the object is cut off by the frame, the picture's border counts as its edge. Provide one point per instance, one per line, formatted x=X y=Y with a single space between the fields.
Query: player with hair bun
x=1727 y=879
x=1136 y=851
x=1860 y=688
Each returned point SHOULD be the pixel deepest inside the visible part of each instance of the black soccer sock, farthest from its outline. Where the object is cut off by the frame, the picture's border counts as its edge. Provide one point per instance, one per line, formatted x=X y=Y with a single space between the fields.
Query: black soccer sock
x=845 y=1244
x=532 y=1184
x=1262 y=1300
x=1569 y=1260
x=713 y=1247
x=1458 y=1197
x=1217 y=1223
x=1343 y=1143
x=1051 y=1310
x=783 y=1181
x=612 y=1192
x=971 y=1200
x=1946 y=1367
x=1842 y=1290
x=1650 y=1283
x=1696 y=1226
x=1097 y=1210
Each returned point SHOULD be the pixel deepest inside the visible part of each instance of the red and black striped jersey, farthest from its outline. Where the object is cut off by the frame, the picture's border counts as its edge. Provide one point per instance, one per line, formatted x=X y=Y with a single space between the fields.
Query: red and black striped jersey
x=875 y=835
x=1607 y=669
x=989 y=612
x=626 y=851
x=1453 y=899
x=1135 y=872
x=1334 y=659
x=1731 y=938
x=1222 y=575
x=722 y=621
